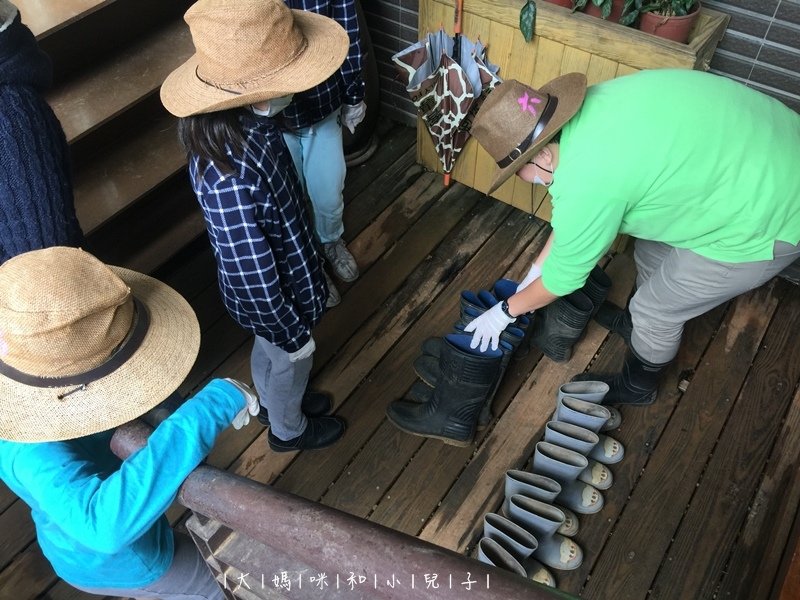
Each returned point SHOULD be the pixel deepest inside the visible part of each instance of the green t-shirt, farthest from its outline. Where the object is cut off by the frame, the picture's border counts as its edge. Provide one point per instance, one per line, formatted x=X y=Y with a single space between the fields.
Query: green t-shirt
x=683 y=157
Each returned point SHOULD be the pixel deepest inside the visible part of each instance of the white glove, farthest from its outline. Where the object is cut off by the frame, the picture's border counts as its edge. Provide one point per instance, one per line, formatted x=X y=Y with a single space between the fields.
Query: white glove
x=488 y=327
x=303 y=352
x=252 y=406
x=533 y=274
x=353 y=115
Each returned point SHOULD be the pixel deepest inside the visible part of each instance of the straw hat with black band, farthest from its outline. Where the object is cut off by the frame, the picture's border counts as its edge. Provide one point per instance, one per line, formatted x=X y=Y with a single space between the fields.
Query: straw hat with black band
x=248 y=51
x=85 y=347
x=516 y=121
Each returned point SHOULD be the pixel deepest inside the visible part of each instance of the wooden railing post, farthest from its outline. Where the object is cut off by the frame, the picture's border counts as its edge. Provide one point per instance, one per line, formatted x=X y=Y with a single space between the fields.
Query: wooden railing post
x=334 y=542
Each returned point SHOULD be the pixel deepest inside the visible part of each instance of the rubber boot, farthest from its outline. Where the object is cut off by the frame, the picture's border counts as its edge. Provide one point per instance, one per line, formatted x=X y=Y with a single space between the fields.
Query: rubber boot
x=542 y=520
x=560 y=324
x=593 y=417
x=467 y=378
x=592 y=391
x=564 y=466
x=519 y=543
x=637 y=383
x=490 y=552
x=583 y=441
x=427 y=368
x=540 y=488
x=616 y=320
x=596 y=287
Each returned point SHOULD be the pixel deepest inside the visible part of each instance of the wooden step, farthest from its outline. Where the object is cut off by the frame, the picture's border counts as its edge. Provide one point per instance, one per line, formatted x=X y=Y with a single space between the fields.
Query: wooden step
x=126 y=172
x=99 y=94
x=44 y=17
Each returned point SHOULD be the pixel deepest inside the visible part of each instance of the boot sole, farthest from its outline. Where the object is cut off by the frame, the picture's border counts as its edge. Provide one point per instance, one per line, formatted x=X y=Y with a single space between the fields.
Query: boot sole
x=446 y=440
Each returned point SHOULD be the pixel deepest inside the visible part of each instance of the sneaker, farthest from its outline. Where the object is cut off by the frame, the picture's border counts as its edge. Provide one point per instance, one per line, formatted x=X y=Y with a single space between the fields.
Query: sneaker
x=333 y=294
x=314 y=404
x=320 y=432
x=343 y=263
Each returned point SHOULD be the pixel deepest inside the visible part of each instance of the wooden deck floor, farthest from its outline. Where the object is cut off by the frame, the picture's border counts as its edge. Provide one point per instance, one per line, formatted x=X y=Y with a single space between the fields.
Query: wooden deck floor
x=704 y=501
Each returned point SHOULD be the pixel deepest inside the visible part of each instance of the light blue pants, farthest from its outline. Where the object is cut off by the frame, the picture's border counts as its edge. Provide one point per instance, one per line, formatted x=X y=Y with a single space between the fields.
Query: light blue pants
x=318 y=156
x=675 y=285
x=280 y=385
x=188 y=578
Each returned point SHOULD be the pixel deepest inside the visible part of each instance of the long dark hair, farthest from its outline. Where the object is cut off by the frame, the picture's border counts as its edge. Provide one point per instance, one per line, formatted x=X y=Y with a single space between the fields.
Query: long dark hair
x=208 y=136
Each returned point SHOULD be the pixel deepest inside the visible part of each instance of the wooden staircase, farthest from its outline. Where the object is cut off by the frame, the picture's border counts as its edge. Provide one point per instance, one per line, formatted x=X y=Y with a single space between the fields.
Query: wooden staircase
x=110 y=57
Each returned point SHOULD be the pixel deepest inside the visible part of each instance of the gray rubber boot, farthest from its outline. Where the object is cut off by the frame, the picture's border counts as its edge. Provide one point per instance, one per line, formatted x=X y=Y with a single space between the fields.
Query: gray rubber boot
x=592 y=391
x=519 y=542
x=540 y=488
x=560 y=324
x=490 y=552
x=583 y=441
x=591 y=416
x=564 y=466
x=542 y=520
x=451 y=415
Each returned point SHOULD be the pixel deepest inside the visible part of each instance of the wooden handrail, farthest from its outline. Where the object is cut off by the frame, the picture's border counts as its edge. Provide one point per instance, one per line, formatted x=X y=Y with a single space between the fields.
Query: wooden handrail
x=329 y=539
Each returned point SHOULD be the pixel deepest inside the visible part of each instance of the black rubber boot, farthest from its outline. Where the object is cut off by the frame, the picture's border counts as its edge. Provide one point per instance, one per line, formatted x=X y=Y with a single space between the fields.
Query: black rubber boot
x=616 y=320
x=636 y=384
x=427 y=368
x=467 y=377
x=557 y=326
x=596 y=288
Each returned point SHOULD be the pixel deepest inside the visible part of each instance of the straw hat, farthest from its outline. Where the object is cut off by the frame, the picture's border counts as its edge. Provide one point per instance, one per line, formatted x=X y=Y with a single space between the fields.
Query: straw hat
x=516 y=121
x=247 y=51
x=85 y=347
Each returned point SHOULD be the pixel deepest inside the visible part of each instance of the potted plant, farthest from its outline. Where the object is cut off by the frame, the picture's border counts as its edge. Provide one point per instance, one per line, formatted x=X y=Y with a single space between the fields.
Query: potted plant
x=671 y=19
x=605 y=9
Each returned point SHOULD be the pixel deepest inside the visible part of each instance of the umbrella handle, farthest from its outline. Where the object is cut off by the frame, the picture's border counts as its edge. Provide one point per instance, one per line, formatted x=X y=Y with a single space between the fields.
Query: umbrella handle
x=446 y=179
x=458 y=12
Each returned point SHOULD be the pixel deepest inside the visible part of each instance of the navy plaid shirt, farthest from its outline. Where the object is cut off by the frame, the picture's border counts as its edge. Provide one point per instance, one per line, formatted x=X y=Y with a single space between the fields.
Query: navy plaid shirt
x=269 y=271
x=346 y=85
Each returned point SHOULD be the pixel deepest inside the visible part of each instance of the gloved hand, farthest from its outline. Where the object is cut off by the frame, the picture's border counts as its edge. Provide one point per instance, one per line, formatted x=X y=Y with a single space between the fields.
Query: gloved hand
x=533 y=274
x=252 y=406
x=303 y=352
x=488 y=327
x=353 y=115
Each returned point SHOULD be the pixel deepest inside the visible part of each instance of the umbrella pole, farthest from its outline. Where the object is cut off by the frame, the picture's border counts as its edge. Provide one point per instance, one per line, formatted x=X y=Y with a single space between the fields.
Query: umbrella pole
x=459 y=9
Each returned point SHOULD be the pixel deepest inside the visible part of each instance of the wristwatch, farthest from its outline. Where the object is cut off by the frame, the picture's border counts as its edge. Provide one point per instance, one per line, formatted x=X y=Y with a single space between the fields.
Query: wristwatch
x=504 y=308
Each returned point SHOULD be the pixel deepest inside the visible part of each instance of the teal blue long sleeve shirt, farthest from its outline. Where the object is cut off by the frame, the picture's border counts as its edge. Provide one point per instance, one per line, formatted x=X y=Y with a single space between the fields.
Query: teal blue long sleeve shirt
x=100 y=521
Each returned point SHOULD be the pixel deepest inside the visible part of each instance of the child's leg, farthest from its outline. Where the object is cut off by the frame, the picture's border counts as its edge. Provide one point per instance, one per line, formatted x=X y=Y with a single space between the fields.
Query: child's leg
x=280 y=385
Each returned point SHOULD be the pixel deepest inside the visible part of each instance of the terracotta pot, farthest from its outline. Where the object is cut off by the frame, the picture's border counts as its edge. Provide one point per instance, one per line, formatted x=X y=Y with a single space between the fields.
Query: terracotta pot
x=616 y=10
x=564 y=3
x=671 y=28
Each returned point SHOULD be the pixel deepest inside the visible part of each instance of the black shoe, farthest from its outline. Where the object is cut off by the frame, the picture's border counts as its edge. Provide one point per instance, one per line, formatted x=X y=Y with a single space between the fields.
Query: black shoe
x=315 y=404
x=320 y=432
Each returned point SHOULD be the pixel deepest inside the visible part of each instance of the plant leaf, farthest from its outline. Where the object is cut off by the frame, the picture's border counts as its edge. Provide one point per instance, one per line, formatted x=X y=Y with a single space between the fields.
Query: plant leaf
x=527 y=20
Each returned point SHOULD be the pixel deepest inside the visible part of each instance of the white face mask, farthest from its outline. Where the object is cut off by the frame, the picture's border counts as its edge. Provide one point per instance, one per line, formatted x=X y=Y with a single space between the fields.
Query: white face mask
x=273 y=106
x=537 y=179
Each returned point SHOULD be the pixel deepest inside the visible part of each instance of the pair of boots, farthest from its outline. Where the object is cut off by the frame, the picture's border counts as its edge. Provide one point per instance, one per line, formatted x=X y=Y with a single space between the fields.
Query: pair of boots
x=508 y=546
x=449 y=411
x=559 y=325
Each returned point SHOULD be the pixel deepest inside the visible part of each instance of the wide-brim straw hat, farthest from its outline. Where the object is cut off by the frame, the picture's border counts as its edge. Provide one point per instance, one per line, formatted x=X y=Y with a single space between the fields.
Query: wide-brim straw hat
x=85 y=347
x=516 y=121
x=248 y=51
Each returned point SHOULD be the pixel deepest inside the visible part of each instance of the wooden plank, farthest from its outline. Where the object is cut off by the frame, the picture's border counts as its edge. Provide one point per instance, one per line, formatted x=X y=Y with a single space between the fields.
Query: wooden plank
x=697 y=557
x=127 y=172
x=57 y=15
x=601 y=69
x=364 y=300
x=632 y=556
x=99 y=94
x=479 y=489
x=383 y=458
x=393 y=144
x=28 y=576
x=16 y=531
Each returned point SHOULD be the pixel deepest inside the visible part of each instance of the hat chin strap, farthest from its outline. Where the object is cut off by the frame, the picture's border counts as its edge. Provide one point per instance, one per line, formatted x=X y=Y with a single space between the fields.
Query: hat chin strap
x=122 y=353
x=547 y=113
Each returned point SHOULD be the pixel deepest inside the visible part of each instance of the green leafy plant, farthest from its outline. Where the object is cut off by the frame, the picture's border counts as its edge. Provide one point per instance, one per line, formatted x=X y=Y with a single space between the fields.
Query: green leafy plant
x=527 y=20
x=603 y=5
x=668 y=8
